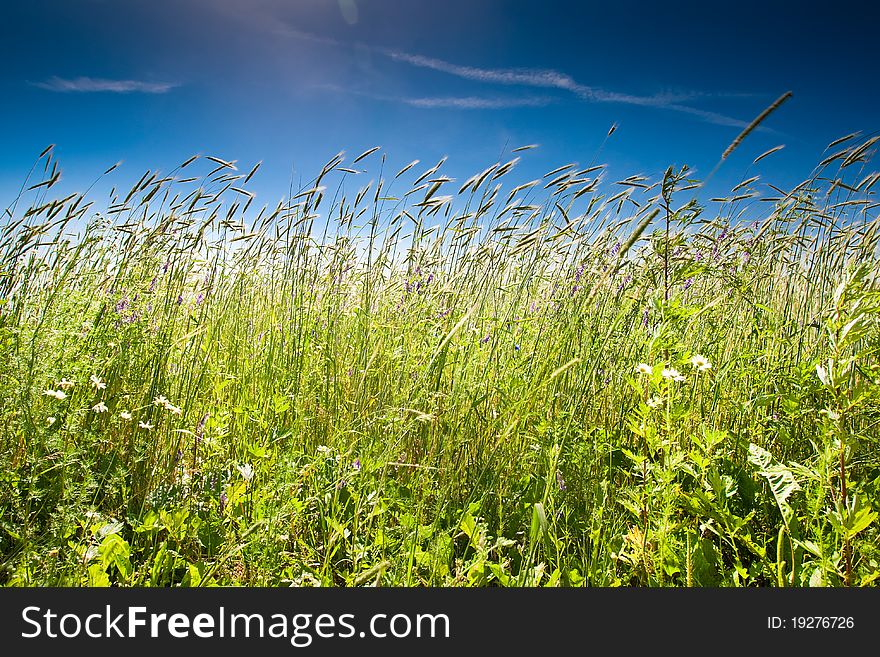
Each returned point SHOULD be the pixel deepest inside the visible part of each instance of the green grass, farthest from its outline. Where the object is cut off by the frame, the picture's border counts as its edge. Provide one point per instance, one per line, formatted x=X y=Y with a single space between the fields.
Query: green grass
x=419 y=382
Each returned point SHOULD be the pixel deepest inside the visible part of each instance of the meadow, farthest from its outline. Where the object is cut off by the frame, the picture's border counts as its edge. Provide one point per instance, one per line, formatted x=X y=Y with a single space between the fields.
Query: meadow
x=394 y=378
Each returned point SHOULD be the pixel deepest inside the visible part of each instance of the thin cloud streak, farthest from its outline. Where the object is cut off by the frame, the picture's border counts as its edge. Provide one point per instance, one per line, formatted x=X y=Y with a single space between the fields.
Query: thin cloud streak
x=556 y=80
x=99 y=85
x=439 y=102
x=539 y=78
x=474 y=102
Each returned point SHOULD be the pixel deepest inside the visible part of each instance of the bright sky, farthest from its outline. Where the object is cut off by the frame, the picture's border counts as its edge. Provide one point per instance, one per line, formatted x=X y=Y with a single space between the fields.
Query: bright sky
x=292 y=82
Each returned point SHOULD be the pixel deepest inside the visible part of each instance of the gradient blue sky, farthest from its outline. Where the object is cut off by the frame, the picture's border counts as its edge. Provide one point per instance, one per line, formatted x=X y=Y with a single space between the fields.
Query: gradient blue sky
x=292 y=82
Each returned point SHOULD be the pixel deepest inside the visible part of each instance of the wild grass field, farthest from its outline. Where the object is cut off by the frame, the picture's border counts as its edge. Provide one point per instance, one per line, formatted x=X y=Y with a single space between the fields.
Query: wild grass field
x=396 y=378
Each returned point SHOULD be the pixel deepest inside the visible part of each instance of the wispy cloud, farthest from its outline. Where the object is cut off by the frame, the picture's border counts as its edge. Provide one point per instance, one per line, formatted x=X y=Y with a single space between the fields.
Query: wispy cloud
x=526 y=77
x=475 y=102
x=96 y=85
x=536 y=78
x=556 y=80
x=439 y=102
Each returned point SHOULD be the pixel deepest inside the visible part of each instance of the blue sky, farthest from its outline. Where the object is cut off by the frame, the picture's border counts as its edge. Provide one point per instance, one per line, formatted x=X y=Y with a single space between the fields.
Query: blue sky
x=292 y=82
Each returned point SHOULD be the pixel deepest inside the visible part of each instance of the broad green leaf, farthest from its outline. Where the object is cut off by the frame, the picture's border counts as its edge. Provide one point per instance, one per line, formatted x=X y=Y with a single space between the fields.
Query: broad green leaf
x=539 y=522
x=98 y=576
x=781 y=479
x=114 y=550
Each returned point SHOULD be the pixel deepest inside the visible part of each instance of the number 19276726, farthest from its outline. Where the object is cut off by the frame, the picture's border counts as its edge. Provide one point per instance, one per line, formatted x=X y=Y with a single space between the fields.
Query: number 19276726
x=810 y=623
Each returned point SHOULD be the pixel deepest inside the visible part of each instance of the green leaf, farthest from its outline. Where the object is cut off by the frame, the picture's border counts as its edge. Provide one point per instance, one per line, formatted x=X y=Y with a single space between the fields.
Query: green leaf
x=468 y=525
x=115 y=551
x=781 y=479
x=861 y=519
x=539 y=523
x=853 y=519
x=498 y=571
x=163 y=564
x=98 y=576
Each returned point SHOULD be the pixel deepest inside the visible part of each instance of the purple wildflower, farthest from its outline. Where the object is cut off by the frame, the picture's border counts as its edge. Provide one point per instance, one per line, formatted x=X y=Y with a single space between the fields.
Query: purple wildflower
x=560 y=481
x=357 y=464
x=200 y=429
x=688 y=283
x=179 y=299
x=200 y=298
x=486 y=339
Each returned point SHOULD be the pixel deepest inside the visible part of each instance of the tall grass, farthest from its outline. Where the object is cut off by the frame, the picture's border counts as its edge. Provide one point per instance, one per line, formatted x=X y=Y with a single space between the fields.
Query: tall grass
x=572 y=380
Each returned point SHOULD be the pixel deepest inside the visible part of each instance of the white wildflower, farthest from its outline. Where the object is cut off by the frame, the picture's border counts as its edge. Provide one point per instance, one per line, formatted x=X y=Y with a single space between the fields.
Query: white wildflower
x=644 y=368
x=125 y=415
x=100 y=407
x=57 y=394
x=96 y=381
x=246 y=470
x=700 y=362
x=672 y=374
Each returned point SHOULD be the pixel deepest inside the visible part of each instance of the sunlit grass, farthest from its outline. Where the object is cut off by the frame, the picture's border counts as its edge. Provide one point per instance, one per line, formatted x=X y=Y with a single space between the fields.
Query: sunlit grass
x=575 y=380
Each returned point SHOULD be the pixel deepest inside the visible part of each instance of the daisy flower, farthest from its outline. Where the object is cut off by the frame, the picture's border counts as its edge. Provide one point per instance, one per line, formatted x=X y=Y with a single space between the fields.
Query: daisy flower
x=672 y=374
x=700 y=362
x=644 y=368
